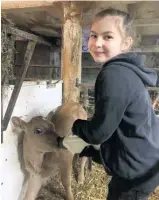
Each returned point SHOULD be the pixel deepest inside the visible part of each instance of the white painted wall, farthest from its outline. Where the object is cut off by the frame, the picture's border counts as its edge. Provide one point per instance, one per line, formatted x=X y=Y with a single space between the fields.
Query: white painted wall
x=33 y=100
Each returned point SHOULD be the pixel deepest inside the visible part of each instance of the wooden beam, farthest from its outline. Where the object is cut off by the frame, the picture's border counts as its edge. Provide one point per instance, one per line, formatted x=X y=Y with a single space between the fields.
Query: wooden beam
x=23 y=34
x=156 y=69
x=92 y=67
x=144 y=48
x=146 y=22
x=71 y=51
x=91 y=86
x=83 y=67
x=153 y=89
x=6 y=5
x=19 y=82
x=100 y=67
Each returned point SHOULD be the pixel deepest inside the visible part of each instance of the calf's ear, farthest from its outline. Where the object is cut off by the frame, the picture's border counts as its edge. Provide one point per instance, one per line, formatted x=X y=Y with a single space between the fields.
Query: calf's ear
x=18 y=123
x=50 y=115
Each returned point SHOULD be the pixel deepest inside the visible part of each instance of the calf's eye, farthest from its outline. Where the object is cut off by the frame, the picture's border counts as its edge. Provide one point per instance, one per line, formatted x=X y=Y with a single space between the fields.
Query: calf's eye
x=38 y=131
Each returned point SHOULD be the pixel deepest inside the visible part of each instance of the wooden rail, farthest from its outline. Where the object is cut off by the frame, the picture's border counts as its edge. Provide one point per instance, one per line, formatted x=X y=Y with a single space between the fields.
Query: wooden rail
x=83 y=67
x=23 y=34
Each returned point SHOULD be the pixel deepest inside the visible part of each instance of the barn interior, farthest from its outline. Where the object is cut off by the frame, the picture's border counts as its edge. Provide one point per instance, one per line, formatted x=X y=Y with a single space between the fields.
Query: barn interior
x=47 y=40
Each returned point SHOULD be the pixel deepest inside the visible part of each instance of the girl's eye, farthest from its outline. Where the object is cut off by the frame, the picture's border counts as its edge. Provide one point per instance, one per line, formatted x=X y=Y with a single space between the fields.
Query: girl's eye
x=107 y=37
x=93 y=36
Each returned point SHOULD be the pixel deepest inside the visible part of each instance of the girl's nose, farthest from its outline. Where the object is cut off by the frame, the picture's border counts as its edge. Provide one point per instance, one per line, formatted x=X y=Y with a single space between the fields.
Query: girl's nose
x=99 y=42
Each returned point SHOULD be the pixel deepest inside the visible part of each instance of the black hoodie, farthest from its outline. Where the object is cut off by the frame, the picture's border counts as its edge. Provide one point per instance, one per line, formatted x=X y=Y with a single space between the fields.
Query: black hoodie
x=124 y=122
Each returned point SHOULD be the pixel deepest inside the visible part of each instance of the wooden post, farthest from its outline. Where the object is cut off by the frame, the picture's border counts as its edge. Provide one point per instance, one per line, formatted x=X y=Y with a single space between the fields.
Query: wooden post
x=71 y=51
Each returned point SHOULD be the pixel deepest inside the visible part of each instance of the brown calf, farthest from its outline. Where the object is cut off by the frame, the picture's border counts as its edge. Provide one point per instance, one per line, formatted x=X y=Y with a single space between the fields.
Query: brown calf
x=41 y=155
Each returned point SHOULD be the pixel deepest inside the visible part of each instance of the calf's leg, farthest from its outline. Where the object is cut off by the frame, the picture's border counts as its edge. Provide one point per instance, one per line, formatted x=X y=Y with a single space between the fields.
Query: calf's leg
x=33 y=187
x=66 y=171
x=81 y=172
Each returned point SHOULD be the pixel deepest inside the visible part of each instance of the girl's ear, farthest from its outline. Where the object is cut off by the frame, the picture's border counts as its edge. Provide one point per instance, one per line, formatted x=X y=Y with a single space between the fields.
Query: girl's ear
x=127 y=44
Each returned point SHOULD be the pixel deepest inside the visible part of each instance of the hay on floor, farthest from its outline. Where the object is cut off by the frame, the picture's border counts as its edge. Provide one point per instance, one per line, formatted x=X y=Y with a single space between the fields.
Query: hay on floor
x=95 y=186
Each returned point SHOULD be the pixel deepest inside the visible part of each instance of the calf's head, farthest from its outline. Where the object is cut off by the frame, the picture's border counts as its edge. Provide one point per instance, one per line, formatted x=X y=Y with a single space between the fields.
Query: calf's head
x=39 y=132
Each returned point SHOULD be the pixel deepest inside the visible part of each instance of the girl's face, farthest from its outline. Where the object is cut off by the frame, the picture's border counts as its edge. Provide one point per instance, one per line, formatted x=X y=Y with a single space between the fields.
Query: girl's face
x=107 y=39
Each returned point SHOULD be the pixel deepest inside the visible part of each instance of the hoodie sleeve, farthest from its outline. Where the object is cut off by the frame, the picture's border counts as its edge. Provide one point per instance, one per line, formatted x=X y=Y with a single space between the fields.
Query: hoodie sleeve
x=112 y=99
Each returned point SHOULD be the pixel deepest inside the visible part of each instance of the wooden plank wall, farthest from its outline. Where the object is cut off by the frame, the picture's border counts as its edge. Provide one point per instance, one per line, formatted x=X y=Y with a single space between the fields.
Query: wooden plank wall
x=40 y=62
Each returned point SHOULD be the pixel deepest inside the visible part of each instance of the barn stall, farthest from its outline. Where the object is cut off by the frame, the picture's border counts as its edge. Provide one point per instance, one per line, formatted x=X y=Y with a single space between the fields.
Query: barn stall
x=45 y=54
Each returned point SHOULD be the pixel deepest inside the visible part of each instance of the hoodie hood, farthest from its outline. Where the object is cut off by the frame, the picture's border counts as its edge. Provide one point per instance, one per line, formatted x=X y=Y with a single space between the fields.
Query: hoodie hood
x=136 y=63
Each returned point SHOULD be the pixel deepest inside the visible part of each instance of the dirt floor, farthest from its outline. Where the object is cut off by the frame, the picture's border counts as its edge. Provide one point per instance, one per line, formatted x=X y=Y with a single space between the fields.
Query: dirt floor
x=94 y=188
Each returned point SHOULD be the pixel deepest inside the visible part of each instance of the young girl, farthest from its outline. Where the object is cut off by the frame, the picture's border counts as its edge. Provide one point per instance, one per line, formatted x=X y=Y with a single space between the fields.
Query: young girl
x=124 y=123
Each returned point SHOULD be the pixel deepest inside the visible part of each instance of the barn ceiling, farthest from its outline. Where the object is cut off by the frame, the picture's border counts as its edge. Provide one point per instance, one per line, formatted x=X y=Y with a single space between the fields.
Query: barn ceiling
x=45 y=18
